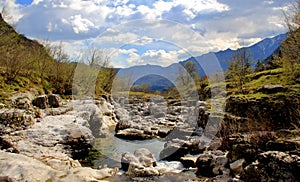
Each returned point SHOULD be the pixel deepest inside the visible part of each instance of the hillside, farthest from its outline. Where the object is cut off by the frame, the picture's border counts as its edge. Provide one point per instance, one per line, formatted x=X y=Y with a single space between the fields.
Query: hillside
x=259 y=51
x=26 y=64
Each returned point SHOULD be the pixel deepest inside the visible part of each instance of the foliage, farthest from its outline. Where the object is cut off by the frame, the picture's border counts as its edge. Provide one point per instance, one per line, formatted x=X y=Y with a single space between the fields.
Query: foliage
x=22 y=57
x=187 y=74
x=290 y=55
x=239 y=68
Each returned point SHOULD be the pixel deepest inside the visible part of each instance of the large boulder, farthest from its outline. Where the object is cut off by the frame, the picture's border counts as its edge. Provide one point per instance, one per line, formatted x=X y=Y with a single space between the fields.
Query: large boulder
x=237 y=167
x=54 y=100
x=274 y=166
x=18 y=167
x=22 y=101
x=100 y=116
x=272 y=112
x=270 y=89
x=176 y=148
x=212 y=163
x=14 y=120
x=55 y=140
x=188 y=161
x=41 y=102
x=141 y=163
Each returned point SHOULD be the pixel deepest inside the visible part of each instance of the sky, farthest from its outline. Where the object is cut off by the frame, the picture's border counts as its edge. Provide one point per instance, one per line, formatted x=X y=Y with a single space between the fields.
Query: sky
x=136 y=32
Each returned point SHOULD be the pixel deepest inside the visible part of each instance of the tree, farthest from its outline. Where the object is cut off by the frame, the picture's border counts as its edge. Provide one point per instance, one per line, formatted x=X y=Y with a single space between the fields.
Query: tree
x=260 y=66
x=292 y=18
x=188 y=73
x=239 y=68
x=290 y=48
x=60 y=67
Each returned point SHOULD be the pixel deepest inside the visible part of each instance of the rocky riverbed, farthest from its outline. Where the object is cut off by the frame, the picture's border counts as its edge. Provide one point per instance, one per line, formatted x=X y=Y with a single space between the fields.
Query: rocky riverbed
x=44 y=138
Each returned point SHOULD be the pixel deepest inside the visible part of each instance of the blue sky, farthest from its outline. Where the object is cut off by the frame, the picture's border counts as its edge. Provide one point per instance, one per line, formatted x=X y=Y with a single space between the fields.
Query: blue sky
x=24 y=2
x=148 y=32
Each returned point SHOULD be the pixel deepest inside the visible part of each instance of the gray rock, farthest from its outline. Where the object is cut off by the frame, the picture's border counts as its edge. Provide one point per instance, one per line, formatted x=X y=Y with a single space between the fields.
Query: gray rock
x=212 y=163
x=14 y=120
x=18 y=167
x=188 y=161
x=126 y=159
x=142 y=163
x=268 y=89
x=145 y=157
x=274 y=166
x=41 y=102
x=53 y=100
x=237 y=167
x=22 y=101
x=134 y=134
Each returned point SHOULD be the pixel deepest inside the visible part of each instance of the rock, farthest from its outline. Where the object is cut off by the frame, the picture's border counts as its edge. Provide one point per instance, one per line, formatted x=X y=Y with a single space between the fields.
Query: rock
x=133 y=134
x=212 y=163
x=41 y=102
x=205 y=165
x=145 y=157
x=22 y=101
x=173 y=151
x=126 y=159
x=14 y=120
x=56 y=140
x=282 y=145
x=237 y=167
x=97 y=117
x=175 y=148
x=163 y=132
x=140 y=164
x=137 y=170
x=159 y=115
x=188 y=161
x=18 y=167
x=274 y=166
x=269 y=89
x=246 y=146
x=53 y=100
x=273 y=112
x=89 y=174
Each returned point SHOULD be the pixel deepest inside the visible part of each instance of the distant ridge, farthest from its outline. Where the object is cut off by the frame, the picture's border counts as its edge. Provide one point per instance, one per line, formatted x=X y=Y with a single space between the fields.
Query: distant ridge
x=144 y=73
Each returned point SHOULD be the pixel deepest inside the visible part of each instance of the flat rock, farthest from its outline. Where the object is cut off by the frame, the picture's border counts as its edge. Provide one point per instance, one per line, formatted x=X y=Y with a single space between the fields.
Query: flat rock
x=18 y=167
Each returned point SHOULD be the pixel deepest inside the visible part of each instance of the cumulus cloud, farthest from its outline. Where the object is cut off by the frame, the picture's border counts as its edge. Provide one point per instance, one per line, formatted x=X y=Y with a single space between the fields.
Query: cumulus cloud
x=196 y=26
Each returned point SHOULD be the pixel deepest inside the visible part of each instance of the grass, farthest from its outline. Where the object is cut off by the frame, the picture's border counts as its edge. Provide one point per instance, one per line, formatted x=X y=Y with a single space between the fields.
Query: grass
x=137 y=94
x=18 y=85
x=267 y=77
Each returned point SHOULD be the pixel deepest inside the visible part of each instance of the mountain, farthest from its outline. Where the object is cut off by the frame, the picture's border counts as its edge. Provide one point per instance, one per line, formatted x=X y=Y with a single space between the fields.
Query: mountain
x=259 y=51
x=207 y=64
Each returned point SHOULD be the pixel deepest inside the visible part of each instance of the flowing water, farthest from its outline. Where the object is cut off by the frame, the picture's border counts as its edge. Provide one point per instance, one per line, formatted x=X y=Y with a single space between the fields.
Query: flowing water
x=111 y=149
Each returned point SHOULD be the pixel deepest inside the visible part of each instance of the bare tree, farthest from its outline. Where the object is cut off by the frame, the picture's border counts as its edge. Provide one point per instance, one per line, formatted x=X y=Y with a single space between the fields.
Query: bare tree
x=292 y=18
x=291 y=46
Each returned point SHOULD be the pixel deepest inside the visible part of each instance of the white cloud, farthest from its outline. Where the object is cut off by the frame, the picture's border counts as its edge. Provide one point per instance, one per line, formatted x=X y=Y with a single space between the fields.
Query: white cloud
x=81 y=24
x=206 y=25
x=161 y=56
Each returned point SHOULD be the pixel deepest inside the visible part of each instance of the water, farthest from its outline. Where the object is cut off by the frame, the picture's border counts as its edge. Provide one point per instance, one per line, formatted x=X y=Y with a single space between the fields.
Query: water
x=111 y=149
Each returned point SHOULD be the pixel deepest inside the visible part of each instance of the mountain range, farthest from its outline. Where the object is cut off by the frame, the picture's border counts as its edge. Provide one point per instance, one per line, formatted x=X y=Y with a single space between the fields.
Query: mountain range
x=160 y=78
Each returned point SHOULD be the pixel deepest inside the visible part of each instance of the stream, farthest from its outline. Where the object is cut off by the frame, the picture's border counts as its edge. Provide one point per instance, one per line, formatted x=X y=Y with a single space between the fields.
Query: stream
x=111 y=149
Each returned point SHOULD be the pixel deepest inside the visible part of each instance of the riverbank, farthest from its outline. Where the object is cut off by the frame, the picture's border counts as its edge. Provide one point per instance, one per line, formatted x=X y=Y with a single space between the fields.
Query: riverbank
x=55 y=135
